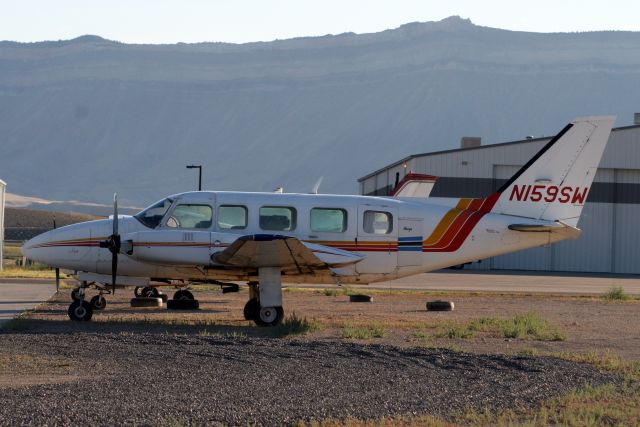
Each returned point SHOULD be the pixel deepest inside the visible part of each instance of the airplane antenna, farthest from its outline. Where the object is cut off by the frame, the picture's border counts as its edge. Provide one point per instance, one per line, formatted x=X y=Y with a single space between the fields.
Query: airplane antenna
x=316 y=187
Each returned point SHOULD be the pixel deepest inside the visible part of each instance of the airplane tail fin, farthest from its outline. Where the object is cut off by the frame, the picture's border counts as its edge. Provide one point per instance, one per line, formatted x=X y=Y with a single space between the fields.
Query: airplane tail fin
x=555 y=183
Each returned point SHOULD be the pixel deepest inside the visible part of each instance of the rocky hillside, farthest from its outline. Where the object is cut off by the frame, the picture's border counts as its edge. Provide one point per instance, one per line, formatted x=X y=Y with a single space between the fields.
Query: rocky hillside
x=83 y=118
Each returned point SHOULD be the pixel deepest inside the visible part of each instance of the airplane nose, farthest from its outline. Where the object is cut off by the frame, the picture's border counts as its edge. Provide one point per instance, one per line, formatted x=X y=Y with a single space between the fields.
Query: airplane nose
x=35 y=249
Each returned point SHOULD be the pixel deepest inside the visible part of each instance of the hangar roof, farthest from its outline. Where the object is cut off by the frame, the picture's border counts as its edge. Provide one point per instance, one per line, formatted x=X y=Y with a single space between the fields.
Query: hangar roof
x=455 y=150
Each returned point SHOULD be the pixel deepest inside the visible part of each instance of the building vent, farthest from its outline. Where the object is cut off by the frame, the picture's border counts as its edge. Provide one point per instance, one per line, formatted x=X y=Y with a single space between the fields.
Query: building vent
x=470 y=141
x=636 y=118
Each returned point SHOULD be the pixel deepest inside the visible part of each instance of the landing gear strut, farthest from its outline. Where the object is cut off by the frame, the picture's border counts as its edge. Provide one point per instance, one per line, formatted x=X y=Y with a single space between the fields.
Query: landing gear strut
x=80 y=310
x=265 y=300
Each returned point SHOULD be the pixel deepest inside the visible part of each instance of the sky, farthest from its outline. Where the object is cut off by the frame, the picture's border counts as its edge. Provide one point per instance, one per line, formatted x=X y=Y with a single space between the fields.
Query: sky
x=240 y=21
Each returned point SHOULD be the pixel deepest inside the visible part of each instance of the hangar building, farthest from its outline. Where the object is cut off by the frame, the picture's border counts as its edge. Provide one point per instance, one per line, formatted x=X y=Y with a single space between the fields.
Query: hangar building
x=610 y=220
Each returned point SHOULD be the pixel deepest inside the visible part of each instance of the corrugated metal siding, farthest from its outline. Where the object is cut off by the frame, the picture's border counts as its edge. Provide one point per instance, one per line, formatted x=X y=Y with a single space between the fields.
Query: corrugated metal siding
x=591 y=252
x=626 y=233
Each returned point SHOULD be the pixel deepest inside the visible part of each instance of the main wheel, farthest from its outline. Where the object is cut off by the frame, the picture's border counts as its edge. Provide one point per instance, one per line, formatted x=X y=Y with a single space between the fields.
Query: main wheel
x=251 y=309
x=98 y=302
x=80 y=311
x=138 y=291
x=74 y=294
x=269 y=316
x=149 y=292
x=183 y=294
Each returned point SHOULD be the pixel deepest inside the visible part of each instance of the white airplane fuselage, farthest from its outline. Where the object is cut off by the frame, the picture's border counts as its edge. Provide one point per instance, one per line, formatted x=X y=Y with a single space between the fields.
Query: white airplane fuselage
x=424 y=235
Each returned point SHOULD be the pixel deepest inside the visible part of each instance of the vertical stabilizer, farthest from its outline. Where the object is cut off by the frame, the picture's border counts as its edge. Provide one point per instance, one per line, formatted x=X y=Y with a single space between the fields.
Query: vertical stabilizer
x=555 y=183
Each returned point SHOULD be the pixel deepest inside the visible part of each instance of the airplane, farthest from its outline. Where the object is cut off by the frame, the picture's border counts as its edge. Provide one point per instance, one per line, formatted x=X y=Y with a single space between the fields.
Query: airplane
x=267 y=239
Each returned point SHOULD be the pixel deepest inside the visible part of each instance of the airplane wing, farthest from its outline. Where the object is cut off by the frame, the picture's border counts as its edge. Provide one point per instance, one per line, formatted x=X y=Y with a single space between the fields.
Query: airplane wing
x=288 y=253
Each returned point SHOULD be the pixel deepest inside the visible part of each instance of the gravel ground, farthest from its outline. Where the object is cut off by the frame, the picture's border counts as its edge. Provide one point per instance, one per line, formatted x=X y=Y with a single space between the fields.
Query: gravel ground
x=147 y=379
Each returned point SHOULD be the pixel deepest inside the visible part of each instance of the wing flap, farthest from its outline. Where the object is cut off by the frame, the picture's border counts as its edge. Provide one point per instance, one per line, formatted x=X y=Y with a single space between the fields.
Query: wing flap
x=288 y=253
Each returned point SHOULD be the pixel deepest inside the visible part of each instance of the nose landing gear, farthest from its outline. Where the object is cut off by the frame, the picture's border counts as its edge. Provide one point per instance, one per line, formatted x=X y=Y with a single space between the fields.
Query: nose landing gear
x=80 y=310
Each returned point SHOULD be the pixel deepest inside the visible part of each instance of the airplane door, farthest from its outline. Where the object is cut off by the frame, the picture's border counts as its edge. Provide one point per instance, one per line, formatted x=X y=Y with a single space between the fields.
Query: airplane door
x=409 y=242
x=377 y=239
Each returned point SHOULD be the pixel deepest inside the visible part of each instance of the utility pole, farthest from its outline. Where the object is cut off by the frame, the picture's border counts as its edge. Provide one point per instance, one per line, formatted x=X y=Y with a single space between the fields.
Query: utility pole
x=199 y=167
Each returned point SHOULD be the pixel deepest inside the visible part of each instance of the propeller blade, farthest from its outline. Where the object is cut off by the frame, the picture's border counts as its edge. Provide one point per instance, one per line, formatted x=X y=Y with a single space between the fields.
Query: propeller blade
x=57 y=269
x=114 y=270
x=115 y=248
x=115 y=214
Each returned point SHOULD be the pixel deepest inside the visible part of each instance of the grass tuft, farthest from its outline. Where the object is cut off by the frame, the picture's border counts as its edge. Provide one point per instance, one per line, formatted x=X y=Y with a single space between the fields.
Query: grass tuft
x=616 y=293
x=454 y=330
x=294 y=325
x=520 y=326
x=234 y=334
x=330 y=292
x=530 y=326
x=368 y=332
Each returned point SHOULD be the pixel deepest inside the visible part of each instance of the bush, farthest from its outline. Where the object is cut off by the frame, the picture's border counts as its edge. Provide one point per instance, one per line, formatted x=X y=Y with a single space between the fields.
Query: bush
x=616 y=293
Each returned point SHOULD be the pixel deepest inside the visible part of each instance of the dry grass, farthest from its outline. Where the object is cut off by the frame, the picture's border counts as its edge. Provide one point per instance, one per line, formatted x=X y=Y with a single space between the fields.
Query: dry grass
x=373 y=330
x=616 y=293
x=39 y=272
x=519 y=326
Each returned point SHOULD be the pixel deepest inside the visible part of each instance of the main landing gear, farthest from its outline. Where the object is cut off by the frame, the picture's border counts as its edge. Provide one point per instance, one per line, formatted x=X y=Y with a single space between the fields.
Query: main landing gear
x=265 y=300
x=149 y=292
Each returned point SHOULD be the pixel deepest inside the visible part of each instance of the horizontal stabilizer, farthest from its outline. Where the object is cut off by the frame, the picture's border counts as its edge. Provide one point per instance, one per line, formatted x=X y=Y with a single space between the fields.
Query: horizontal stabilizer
x=534 y=227
x=569 y=231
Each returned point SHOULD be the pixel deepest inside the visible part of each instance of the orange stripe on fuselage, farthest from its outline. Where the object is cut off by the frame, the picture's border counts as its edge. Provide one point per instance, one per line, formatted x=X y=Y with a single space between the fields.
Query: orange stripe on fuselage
x=446 y=222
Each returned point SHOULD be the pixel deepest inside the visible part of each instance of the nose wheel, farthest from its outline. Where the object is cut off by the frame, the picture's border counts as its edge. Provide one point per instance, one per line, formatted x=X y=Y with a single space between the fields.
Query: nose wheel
x=81 y=310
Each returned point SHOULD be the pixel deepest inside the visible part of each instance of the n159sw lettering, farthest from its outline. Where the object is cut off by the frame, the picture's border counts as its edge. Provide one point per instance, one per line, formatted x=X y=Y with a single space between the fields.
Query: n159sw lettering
x=549 y=194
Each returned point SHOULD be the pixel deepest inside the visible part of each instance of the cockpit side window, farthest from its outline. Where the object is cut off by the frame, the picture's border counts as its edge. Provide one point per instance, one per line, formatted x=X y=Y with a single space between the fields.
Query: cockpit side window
x=152 y=215
x=191 y=216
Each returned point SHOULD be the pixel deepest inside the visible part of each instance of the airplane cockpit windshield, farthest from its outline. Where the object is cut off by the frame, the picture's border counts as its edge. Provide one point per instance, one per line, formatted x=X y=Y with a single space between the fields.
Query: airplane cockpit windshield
x=152 y=215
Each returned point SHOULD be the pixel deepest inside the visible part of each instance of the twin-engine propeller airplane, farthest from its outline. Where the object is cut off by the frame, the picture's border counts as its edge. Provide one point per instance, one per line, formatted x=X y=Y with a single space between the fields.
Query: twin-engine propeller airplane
x=266 y=239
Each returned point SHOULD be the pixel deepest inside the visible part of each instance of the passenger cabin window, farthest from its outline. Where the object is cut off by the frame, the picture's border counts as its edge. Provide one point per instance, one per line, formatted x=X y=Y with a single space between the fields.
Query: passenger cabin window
x=328 y=220
x=191 y=216
x=152 y=215
x=376 y=222
x=231 y=217
x=277 y=218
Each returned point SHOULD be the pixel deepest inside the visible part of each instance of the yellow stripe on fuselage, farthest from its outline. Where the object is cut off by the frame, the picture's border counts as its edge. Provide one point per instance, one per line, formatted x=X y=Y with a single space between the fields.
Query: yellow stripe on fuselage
x=446 y=222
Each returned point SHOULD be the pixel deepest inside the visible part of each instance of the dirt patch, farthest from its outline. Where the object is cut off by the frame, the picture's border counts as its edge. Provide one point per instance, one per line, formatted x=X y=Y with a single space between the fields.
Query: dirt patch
x=584 y=323
x=23 y=369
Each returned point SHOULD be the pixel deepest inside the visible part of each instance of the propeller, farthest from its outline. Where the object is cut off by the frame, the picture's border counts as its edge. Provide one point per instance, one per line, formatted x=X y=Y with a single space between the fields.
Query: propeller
x=113 y=244
x=57 y=269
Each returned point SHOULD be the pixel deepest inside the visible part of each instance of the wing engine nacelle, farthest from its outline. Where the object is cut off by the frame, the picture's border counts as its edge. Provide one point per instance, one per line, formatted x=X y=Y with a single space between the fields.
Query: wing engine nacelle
x=169 y=247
